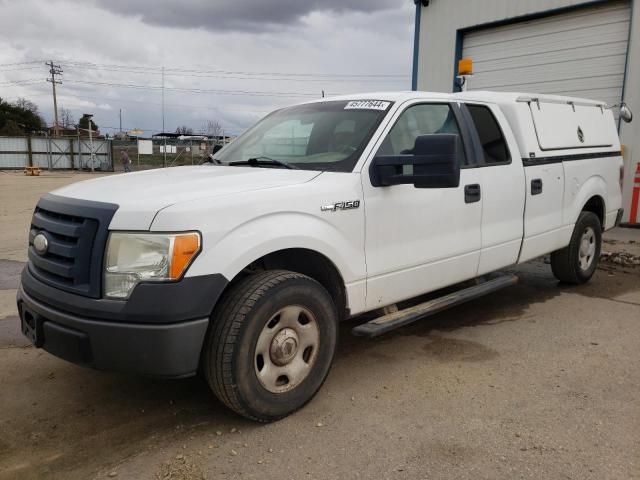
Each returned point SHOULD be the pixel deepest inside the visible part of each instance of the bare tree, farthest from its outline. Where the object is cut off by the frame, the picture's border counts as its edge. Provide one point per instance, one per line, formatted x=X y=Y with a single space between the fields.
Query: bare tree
x=213 y=128
x=66 y=118
x=184 y=130
x=28 y=105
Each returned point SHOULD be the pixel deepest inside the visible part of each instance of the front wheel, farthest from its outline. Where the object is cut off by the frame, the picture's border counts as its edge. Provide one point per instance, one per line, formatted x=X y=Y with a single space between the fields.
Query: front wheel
x=271 y=344
x=577 y=262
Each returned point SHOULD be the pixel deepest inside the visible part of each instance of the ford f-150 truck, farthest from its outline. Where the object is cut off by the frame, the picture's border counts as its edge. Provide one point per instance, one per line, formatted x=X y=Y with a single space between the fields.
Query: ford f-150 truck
x=241 y=269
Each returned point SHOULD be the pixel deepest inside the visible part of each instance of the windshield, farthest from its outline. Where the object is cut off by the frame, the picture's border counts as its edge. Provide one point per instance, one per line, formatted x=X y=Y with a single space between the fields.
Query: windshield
x=318 y=136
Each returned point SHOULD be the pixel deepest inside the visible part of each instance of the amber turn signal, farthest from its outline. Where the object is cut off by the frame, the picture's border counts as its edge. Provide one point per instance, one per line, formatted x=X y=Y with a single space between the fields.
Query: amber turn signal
x=185 y=248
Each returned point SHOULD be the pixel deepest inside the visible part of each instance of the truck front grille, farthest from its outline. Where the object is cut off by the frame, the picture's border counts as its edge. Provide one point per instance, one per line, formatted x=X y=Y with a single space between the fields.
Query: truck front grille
x=76 y=233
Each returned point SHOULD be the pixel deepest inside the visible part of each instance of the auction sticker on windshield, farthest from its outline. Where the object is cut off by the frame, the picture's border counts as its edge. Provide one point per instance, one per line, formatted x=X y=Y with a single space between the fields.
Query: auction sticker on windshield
x=367 y=105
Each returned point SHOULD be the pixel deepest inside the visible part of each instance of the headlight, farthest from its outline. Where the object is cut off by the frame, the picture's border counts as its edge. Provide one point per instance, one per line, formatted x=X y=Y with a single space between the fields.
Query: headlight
x=146 y=257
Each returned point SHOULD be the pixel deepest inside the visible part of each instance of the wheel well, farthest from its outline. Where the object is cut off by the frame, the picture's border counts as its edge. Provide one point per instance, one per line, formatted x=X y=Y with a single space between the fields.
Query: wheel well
x=596 y=205
x=307 y=262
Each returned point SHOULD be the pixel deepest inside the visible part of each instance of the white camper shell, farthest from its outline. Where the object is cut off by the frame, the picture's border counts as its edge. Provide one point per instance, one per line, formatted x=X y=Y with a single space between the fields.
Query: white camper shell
x=550 y=123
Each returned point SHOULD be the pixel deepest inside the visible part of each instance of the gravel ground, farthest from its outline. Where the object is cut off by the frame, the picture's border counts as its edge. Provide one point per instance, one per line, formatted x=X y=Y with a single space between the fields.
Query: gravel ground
x=537 y=381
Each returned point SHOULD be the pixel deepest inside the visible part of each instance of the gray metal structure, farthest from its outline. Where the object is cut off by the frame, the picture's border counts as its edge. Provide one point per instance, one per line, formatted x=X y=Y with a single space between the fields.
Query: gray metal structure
x=55 y=153
x=579 y=48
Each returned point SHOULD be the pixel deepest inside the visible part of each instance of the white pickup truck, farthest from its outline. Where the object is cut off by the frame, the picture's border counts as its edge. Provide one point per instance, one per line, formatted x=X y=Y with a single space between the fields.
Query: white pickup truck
x=242 y=268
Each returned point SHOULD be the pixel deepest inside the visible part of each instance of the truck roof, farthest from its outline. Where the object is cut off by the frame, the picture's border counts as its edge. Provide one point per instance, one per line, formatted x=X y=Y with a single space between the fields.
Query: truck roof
x=475 y=95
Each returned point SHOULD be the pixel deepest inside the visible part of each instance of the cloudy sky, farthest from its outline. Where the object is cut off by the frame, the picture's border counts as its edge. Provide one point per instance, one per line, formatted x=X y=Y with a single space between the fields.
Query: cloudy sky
x=231 y=61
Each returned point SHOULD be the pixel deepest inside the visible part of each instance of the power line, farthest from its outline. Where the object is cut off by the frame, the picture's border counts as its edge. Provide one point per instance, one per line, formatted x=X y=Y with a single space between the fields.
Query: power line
x=184 y=70
x=198 y=90
x=225 y=74
x=245 y=77
x=182 y=106
x=119 y=101
x=20 y=63
x=15 y=69
x=27 y=81
x=231 y=72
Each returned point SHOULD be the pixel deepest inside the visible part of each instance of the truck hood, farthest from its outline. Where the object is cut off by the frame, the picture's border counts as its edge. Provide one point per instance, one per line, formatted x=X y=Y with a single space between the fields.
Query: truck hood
x=141 y=195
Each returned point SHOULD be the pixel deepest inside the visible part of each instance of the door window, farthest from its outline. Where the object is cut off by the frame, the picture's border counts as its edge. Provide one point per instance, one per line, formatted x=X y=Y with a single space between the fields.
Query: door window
x=421 y=119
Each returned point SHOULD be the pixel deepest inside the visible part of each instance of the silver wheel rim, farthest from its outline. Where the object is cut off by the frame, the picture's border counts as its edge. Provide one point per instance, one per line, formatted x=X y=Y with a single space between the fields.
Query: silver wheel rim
x=587 y=250
x=286 y=349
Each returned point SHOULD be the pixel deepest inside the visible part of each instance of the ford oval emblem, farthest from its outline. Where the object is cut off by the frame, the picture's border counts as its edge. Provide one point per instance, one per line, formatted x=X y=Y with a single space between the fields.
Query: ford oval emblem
x=40 y=243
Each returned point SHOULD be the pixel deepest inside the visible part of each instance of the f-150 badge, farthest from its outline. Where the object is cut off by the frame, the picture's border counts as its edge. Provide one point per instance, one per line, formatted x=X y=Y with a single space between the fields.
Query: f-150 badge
x=332 y=207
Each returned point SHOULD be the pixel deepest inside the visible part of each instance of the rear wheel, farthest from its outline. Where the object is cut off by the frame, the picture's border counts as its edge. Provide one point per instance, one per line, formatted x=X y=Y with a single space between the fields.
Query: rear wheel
x=577 y=262
x=271 y=344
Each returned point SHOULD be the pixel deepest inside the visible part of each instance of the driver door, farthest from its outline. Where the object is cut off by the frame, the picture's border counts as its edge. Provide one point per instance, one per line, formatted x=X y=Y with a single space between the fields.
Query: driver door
x=420 y=239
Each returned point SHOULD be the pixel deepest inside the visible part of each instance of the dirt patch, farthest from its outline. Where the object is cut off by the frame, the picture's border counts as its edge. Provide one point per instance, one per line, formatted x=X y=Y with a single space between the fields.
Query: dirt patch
x=181 y=467
x=10 y=271
x=10 y=334
x=624 y=259
x=456 y=350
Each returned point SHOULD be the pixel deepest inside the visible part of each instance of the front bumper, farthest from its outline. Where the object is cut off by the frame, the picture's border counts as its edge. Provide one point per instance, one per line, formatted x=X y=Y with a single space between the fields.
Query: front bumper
x=126 y=342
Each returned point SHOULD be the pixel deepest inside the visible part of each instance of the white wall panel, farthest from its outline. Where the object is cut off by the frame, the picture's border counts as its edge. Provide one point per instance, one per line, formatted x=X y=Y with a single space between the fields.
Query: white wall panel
x=56 y=153
x=13 y=152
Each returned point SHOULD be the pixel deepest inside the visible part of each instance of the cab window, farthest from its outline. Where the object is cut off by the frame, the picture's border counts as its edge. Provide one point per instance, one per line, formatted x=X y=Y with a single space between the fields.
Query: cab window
x=421 y=119
x=493 y=143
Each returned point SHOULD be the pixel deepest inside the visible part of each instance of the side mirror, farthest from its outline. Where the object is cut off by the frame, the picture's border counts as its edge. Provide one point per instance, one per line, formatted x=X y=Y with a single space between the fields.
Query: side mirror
x=432 y=163
x=625 y=113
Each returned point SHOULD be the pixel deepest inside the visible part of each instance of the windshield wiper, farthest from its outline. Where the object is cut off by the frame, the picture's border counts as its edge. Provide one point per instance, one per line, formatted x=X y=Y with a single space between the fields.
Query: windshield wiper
x=257 y=161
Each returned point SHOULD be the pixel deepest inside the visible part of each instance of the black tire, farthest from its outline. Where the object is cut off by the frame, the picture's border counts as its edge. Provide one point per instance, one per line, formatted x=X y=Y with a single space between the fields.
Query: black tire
x=229 y=355
x=566 y=263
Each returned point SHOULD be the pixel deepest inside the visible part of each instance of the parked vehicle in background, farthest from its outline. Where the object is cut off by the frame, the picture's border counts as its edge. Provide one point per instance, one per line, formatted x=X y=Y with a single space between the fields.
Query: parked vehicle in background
x=242 y=268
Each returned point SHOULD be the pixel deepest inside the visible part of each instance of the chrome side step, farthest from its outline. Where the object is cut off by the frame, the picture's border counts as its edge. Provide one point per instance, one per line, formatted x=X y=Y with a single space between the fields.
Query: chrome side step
x=401 y=318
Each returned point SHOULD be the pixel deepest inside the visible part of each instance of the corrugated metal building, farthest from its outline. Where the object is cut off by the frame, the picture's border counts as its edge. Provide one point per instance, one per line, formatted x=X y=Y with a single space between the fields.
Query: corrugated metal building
x=580 y=48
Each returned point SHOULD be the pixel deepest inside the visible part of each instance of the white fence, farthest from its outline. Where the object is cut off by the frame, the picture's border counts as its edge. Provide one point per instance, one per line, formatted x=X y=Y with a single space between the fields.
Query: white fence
x=55 y=153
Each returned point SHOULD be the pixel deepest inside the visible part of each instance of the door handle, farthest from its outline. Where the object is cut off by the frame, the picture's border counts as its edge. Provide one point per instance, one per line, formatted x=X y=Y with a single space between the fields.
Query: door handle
x=536 y=186
x=472 y=193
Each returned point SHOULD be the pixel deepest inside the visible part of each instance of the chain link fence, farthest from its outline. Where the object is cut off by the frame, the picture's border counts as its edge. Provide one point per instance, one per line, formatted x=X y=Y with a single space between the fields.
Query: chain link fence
x=178 y=152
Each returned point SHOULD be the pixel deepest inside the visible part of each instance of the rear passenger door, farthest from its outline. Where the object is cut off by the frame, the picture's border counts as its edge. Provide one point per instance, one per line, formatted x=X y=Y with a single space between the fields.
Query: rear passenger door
x=502 y=183
x=543 y=229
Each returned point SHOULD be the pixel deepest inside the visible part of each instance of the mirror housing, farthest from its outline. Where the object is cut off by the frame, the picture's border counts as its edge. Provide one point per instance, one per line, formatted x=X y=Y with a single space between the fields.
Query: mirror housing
x=433 y=160
x=625 y=113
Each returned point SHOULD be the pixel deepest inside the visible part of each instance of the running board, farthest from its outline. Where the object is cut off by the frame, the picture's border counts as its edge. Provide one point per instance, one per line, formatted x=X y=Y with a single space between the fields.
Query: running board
x=401 y=318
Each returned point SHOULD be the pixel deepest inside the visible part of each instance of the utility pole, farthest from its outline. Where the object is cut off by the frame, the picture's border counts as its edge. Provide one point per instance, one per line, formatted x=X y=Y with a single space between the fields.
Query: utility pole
x=120 y=121
x=54 y=70
x=164 y=161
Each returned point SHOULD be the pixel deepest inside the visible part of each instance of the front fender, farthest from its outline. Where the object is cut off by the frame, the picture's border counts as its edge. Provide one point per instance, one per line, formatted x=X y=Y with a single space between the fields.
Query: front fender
x=239 y=229
x=269 y=233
